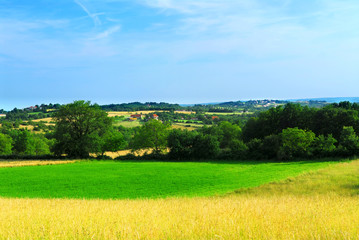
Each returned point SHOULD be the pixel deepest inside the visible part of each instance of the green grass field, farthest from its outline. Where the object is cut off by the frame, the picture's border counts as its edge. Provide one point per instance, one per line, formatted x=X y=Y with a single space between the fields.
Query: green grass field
x=128 y=124
x=131 y=180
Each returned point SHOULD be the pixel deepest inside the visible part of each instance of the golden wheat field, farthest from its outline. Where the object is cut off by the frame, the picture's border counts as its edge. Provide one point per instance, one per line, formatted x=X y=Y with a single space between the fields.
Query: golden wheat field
x=273 y=211
x=232 y=217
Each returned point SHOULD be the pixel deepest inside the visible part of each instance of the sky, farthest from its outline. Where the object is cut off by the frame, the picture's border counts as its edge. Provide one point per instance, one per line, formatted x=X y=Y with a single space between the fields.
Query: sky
x=178 y=51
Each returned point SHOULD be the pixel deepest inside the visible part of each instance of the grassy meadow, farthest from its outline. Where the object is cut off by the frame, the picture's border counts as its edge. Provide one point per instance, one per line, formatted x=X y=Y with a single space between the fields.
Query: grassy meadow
x=325 y=207
x=134 y=180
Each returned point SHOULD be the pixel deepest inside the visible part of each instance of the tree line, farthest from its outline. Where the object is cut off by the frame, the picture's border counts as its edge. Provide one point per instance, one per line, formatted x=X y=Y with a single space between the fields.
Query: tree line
x=284 y=133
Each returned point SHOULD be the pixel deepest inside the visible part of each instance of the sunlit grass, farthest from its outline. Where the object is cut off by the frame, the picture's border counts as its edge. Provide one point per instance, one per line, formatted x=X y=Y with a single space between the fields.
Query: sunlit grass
x=341 y=179
x=134 y=180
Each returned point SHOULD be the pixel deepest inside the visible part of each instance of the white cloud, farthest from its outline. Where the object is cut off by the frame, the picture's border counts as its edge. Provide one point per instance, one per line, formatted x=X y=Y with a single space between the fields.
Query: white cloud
x=256 y=28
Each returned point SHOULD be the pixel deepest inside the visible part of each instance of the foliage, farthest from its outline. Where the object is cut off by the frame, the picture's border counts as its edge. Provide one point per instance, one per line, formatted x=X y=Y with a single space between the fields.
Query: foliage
x=323 y=121
x=80 y=127
x=27 y=143
x=112 y=141
x=270 y=146
x=296 y=143
x=153 y=135
x=5 y=144
x=324 y=146
x=180 y=144
x=205 y=147
x=254 y=149
x=349 y=141
x=238 y=149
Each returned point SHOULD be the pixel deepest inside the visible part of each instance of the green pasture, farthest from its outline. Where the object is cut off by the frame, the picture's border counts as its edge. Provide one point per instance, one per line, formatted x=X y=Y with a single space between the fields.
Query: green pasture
x=128 y=124
x=131 y=180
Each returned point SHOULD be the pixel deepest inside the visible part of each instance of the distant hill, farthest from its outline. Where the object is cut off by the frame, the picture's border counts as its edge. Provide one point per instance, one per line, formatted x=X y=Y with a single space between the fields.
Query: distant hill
x=328 y=100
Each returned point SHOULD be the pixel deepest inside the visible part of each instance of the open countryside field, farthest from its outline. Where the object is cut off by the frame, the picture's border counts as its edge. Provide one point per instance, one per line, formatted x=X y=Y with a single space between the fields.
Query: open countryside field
x=128 y=124
x=307 y=214
x=183 y=127
x=188 y=126
x=47 y=120
x=116 y=180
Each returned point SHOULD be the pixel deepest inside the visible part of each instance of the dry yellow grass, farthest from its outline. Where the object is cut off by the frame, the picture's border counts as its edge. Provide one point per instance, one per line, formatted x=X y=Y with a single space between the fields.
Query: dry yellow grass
x=48 y=120
x=124 y=113
x=23 y=163
x=123 y=153
x=235 y=217
x=185 y=112
x=232 y=113
x=177 y=126
x=28 y=127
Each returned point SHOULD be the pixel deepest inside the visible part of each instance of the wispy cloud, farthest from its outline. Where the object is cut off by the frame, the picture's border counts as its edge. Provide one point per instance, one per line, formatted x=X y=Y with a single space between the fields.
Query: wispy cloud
x=94 y=16
x=189 y=7
x=107 y=33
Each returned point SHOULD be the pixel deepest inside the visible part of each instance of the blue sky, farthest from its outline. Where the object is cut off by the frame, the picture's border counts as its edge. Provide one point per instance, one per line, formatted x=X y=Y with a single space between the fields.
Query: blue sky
x=114 y=51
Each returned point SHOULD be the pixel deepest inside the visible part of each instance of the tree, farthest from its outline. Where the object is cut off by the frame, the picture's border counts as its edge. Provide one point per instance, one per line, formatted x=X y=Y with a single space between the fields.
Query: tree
x=112 y=141
x=205 y=147
x=228 y=133
x=296 y=143
x=270 y=146
x=180 y=143
x=238 y=149
x=254 y=149
x=349 y=141
x=27 y=143
x=21 y=141
x=152 y=135
x=5 y=144
x=38 y=145
x=79 y=129
x=324 y=146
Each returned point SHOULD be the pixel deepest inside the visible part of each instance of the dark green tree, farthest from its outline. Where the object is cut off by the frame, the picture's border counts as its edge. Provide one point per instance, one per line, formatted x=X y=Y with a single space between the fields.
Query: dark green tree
x=180 y=143
x=349 y=141
x=324 y=146
x=205 y=147
x=270 y=146
x=79 y=129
